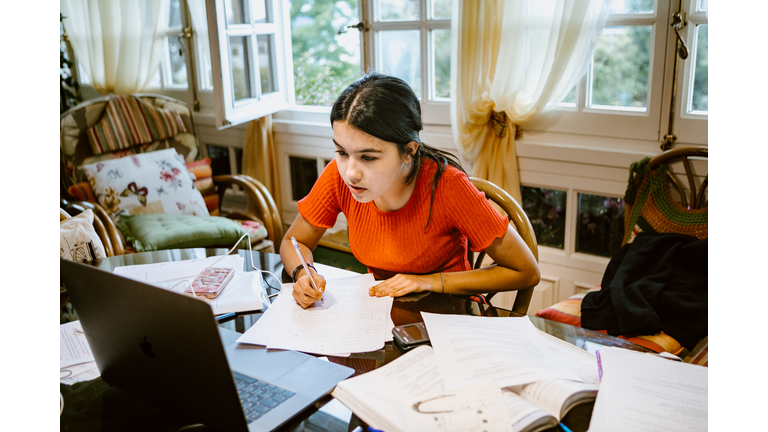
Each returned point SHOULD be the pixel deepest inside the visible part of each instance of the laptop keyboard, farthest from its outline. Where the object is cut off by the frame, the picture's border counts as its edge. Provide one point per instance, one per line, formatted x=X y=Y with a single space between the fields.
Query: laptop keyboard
x=259 y=397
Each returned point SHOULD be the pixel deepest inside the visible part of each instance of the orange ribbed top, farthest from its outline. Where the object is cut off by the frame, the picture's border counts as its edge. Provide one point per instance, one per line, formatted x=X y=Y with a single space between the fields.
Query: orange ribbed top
x=397 y=242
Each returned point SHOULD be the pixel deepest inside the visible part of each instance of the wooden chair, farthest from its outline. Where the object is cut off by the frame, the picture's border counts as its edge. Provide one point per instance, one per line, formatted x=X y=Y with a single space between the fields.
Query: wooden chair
x=680 y=205
x=76 y=151
x=519 y=220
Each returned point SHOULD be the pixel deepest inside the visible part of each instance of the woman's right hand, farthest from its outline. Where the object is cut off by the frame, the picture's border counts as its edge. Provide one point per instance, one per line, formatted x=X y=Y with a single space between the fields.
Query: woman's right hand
x=303 y=292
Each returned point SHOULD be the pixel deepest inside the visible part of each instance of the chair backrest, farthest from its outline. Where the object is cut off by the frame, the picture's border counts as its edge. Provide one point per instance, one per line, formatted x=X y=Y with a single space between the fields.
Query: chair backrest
x=668 y=194
x=522 y=224
x=76 y=150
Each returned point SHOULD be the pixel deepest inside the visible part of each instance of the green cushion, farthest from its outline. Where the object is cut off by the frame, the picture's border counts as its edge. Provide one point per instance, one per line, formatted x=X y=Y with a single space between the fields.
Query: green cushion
x=148 y=232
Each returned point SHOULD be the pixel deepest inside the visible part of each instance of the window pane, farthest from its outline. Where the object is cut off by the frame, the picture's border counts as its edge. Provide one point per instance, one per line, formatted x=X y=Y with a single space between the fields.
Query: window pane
x=266 y=64
x=546 y=210
x=620 y=67
x=239 y=160
x=701 y=71
x=219 y=159
x=398 y=10
x=441 y=9
x=303 y=176
x=400 y=54
x=570 y=98
x=441 y=49
x=235 y=10
x=631 y=6
x=703 y=5
x=238 y=51
x=324 y=62
x=600 y=228
x=174 y=18
x=261 y=12
x=178 y=65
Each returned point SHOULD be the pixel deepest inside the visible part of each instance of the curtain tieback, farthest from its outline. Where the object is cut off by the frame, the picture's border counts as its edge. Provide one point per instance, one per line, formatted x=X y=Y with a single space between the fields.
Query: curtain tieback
x=499 y=122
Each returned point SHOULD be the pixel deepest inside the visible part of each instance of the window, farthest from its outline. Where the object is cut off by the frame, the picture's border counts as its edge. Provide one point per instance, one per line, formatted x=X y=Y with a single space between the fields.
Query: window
x=326 y=49
x=627 y=90
x=249 y=42
x=173 y=69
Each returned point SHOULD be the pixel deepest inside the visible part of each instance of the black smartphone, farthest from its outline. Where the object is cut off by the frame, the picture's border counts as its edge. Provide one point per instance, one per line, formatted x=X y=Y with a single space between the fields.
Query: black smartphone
x=410 y=335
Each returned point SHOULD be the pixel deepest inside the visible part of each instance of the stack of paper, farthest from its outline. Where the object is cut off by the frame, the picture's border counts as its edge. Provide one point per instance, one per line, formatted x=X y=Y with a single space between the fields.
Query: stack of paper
x=348 y=321
x=542 y=377
x=76 y=360
x=643 y=392
x=409 y=394
x=243 y=293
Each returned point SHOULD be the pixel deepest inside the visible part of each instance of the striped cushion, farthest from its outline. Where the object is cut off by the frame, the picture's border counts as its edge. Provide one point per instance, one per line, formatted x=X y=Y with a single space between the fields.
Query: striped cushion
x=568 y=311
x=128 y=121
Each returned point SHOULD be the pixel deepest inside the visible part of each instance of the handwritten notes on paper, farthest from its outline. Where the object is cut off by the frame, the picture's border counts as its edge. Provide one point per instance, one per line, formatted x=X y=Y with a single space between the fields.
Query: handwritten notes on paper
x=509 y=351
x=349 y=320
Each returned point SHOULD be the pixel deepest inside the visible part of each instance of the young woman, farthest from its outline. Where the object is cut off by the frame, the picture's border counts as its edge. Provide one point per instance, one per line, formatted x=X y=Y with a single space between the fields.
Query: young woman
x=410 y=208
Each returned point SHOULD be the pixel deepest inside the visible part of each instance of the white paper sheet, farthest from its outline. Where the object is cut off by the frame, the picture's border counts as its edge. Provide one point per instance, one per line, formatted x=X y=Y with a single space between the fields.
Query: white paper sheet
x=75 y=358
x=643 y=392
x=347 y=321
x=242 y=293
x=73 y=345
x=506 y=350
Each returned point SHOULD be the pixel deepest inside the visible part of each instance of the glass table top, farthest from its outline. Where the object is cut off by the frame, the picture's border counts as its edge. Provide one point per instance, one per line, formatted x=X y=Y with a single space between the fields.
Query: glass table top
x=90 y=396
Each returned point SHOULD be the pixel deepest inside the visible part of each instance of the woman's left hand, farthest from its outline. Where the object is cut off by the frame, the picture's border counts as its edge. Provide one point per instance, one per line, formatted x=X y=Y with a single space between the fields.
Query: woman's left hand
x=400 y=285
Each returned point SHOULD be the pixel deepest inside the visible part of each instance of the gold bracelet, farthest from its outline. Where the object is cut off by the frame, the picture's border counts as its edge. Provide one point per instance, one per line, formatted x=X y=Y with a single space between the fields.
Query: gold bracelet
x=443 y=282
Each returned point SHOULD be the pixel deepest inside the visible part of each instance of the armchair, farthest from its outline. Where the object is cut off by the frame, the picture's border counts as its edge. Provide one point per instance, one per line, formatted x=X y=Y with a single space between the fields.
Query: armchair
x=77 y=151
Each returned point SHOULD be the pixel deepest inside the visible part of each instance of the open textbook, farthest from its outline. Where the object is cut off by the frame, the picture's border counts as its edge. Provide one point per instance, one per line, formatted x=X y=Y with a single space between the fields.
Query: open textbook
x=387 y=398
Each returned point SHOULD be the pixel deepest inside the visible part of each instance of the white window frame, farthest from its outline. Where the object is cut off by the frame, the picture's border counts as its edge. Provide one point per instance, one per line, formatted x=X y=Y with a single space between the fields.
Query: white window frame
x=688 y=127
x=228 y=111
x=434 y=111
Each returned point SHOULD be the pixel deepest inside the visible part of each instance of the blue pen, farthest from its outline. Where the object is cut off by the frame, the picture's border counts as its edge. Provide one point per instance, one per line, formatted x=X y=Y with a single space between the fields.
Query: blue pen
x=564 y=428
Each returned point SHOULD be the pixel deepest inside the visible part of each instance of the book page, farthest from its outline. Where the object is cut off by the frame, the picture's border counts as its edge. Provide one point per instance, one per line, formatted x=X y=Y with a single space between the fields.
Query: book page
x=557 y=396
x=643 y=392
x=507 y=350
x=525 y=416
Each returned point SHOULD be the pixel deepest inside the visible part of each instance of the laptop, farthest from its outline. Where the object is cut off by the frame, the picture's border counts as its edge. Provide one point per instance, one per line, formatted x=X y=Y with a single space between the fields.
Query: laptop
x=167 y=349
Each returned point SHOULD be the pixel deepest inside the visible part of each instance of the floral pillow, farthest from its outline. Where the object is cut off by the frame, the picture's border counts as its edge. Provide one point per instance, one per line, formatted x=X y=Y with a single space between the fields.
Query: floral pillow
x=156 y=182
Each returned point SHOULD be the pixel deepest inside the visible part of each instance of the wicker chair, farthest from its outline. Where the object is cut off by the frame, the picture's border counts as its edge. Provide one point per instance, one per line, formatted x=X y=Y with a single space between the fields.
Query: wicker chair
x=76 y=152
x=665 y=194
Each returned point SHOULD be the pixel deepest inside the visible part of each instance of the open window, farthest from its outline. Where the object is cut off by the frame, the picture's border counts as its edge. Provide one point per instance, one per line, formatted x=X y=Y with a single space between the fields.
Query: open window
x=250 y=57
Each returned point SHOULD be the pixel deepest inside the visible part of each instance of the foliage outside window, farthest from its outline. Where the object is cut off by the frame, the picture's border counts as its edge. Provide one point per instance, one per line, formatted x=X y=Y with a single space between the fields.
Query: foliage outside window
x=68 y=86
x=324 y=62
x=546 y=211
x=600 y=226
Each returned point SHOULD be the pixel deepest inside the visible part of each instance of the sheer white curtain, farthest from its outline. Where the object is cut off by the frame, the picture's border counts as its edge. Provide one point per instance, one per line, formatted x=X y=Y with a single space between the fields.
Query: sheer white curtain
x=118 y=42
x=510 y=60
